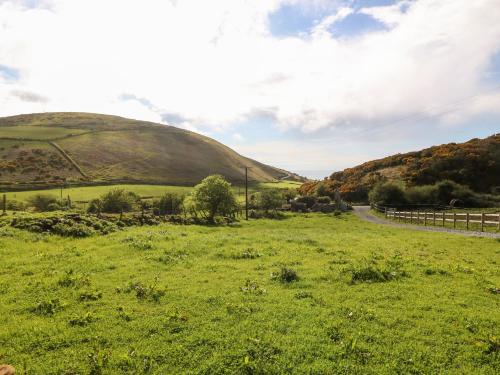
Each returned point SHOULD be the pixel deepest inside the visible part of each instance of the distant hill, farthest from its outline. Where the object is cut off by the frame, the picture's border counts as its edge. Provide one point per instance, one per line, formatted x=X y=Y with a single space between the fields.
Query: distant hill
x=54 y=148
x=475 y=163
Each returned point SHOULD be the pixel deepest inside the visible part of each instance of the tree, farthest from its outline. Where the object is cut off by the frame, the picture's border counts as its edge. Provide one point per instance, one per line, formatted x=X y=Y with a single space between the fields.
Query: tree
x=270 y=199
x=214 y=196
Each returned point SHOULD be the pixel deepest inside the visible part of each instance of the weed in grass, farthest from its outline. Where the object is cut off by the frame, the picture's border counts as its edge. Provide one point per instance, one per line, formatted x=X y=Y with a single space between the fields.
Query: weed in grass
x=90 y=296
x=47 y=308
x=240 y=309
x=247 y=254
x=122 y=314
x=146 y=292
x=83 y=320
x=172 y=256
x=436 y=271
x=70 y=279
x=98 y=361
x=303 y=295
x=285 y=275
x=334 y=333
x=251 y=287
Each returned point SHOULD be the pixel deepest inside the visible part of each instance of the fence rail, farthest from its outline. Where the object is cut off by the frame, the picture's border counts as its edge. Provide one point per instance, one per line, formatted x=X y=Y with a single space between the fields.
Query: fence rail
x=483 y=219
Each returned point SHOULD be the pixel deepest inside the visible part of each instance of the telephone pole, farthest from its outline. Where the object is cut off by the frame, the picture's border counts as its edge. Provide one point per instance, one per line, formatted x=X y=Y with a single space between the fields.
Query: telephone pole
x=246 y=193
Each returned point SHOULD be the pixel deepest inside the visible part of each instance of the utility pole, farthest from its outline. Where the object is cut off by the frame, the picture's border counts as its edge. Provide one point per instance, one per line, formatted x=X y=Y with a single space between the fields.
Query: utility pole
x=246 y=193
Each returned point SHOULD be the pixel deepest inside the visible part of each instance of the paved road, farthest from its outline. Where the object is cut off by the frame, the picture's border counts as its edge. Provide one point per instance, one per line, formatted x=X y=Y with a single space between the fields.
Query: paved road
x=364 y=213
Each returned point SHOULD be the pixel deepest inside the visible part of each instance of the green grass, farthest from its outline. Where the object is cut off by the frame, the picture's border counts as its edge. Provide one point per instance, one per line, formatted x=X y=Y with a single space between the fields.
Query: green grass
x=36 y=132
x=368 y=299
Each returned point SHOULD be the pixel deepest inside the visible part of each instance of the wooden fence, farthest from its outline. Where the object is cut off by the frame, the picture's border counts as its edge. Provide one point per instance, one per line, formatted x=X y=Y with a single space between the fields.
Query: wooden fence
x=441 y=218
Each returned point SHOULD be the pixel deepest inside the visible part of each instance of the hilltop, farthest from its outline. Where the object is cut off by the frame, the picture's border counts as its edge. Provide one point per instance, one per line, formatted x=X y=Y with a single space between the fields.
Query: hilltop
x=81 y=148
x=475 y=163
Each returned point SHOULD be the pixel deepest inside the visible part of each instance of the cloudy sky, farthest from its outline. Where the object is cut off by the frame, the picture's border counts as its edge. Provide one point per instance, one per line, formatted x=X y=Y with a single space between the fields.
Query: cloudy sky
x=312 y=86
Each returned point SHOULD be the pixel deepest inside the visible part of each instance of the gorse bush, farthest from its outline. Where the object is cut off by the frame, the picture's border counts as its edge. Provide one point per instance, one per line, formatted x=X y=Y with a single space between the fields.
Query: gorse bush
x=388 y=193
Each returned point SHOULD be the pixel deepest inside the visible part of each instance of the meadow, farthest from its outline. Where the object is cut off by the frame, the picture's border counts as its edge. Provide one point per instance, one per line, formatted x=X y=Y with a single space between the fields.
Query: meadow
x=312 y=293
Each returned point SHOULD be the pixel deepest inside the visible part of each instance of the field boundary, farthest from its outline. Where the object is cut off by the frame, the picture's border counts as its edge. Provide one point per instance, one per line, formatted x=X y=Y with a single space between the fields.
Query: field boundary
x=440 y=218
x=68 y=158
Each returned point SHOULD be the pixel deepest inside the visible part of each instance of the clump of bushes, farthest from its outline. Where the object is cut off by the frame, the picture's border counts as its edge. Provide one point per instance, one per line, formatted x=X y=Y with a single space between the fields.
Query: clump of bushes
x=169 y=204
x=441 y=193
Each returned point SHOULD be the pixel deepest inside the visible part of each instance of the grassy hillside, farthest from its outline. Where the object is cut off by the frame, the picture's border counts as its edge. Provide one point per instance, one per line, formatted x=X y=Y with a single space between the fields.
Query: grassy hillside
x=475 y=163
x=201 y=300
x=52 y=148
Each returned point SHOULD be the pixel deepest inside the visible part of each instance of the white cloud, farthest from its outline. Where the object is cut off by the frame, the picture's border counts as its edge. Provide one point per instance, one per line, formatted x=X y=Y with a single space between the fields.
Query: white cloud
x=215 y=63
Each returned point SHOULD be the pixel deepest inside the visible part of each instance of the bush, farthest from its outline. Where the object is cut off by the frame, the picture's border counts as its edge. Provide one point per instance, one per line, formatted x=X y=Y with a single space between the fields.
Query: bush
x=269 y=200
x=388 y=193
x=118 y=200
x=169 y=204
x=95 y=206
x=43 y=202
x=308 y=200
x=14 y=205
x=285 y=275
x=324 y=200
x=214 y=196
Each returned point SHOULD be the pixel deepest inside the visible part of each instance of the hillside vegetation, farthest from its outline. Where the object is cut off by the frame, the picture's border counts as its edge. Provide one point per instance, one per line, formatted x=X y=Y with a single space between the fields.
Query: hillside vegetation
x=475 y=163
x=54 y=148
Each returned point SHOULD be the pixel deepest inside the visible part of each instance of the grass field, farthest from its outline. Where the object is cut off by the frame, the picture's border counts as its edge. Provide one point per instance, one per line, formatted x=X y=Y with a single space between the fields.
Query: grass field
x=36 y=132
x=87 y=193
x=191 y=299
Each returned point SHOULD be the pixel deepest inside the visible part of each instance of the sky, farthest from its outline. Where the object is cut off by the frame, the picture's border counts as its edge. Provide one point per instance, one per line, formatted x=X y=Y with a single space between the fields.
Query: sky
x=311 y=86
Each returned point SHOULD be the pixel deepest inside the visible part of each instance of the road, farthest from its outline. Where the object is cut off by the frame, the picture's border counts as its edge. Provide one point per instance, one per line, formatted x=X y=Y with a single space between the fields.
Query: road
x=364 y=213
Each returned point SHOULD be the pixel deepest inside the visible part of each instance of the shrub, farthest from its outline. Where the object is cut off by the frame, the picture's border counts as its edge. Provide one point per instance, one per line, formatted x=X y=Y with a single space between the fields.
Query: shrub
x=118 y=200
x=324 y=200
x=308 y=200
x=43 y=202
x=214 y=196
x=388 y=193
x=285 y=275
x=47 y=308
x=169 y=204
x=270 y=199
x=95 y=206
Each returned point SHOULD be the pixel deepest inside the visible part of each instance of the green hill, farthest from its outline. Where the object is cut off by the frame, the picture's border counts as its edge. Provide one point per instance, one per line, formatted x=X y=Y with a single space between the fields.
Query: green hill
x=475 y=163
x=81 y=148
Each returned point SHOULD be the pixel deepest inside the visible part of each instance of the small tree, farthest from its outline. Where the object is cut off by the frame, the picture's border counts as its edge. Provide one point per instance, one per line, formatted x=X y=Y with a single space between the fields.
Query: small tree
x=270 y=199
x=214 y=196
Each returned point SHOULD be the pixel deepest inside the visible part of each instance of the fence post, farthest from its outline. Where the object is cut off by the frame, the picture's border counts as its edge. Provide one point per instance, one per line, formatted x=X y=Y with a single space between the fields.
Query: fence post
x=454 y=220
x=425 y=218
x=4 y=204
x=498 y=221
x=482 y=221
x=385 y=210
x=444 y=218
x=433 y=217
x=467 y=218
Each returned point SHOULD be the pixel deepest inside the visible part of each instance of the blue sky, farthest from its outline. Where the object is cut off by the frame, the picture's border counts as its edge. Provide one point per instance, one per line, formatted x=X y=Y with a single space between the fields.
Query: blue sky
x=313 y=86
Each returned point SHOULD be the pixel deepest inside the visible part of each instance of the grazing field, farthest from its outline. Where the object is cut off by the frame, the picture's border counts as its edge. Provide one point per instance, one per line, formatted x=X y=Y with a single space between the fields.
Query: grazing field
x=87 y=193
x=318 y=294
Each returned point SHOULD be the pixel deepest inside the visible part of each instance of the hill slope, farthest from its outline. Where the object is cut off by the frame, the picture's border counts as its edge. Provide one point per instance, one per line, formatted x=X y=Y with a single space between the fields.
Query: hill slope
x=51 y=148
x=475 y=163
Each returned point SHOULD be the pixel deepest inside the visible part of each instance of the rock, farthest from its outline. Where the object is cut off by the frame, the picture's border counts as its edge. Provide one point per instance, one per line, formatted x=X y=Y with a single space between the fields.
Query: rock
x=7 y=370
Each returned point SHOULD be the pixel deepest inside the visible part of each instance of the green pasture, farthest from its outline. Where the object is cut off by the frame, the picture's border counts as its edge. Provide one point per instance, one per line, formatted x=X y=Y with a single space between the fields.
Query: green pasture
x=309 y=294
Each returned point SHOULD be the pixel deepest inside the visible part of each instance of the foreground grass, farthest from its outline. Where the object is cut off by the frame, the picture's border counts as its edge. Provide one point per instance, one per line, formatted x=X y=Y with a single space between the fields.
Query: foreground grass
x=177 y=299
